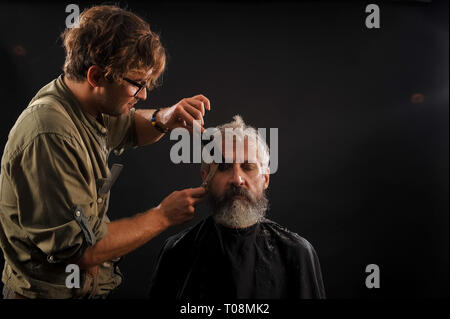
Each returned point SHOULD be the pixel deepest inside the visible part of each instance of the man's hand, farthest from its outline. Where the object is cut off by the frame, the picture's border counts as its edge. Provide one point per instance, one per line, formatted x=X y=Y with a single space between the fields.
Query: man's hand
x=184 y=113
x=179 y=206
x=127 y=234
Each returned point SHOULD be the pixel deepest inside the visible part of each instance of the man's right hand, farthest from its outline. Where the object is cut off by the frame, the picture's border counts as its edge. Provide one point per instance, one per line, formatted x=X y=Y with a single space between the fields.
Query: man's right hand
x=179 y=206
x=127 y=234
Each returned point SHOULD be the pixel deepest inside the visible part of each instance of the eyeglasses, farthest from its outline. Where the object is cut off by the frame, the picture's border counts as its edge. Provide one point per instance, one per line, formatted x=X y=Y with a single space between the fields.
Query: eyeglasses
x=138 y=85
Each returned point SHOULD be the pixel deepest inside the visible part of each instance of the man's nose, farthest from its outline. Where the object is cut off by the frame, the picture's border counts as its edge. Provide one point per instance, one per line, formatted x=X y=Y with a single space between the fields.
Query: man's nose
x=142 y=95
x=237 y=177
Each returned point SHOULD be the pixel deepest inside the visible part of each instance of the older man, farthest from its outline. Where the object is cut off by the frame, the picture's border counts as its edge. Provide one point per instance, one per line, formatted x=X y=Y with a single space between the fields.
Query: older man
x=237 y=252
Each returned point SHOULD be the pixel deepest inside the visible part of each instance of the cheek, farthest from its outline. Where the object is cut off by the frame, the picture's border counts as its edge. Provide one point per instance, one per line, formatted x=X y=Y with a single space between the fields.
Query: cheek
x=121 y=98
x=118 y=95
x=217 y=185
x=258 y=184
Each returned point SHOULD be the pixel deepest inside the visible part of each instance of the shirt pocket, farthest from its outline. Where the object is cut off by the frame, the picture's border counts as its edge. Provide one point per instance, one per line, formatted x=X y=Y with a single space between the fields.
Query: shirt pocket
x=104 y=185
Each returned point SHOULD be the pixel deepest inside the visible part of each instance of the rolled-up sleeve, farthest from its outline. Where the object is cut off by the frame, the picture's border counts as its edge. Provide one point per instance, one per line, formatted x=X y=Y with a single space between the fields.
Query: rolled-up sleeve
x=55 y=196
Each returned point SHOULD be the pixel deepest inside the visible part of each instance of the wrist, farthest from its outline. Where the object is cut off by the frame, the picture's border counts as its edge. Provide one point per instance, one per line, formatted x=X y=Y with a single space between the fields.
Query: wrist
x=156 y=122
x=158 y=217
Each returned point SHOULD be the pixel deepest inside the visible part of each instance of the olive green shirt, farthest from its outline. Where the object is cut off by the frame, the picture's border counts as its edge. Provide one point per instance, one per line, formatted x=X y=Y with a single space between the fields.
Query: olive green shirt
x=52 y=203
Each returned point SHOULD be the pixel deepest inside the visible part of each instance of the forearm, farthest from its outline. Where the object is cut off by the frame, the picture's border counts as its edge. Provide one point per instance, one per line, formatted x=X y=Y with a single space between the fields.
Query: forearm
x=146 y=133
x=183 y=114
x=124 y=236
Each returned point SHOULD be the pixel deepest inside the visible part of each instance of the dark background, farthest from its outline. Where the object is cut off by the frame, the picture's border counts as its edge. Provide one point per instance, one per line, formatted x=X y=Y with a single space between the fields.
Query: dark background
x=363 y=162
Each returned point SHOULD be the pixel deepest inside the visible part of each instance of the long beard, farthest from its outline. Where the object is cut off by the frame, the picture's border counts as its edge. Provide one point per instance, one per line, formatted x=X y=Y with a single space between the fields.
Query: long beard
x=238 y=212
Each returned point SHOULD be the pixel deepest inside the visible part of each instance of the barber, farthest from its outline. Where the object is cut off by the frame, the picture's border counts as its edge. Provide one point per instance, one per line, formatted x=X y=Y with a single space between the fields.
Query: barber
x=55 y=178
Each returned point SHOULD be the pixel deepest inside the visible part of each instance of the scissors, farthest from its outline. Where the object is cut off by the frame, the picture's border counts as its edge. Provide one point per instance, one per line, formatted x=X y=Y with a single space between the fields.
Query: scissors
x=212 y=171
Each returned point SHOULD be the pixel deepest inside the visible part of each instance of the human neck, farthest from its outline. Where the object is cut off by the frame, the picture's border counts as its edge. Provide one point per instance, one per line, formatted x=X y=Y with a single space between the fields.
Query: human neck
x=82 y=93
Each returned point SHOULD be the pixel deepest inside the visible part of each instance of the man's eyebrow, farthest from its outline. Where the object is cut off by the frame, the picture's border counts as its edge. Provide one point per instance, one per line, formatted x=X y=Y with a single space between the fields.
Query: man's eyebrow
x=139 y=77
x=142 y=82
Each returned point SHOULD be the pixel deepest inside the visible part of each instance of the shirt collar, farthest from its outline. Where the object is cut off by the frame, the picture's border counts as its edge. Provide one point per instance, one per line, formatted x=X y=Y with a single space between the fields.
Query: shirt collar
x=85 y=117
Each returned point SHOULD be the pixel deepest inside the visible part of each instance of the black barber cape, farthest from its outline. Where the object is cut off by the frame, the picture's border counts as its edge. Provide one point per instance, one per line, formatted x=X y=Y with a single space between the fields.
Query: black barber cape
x=210 y=261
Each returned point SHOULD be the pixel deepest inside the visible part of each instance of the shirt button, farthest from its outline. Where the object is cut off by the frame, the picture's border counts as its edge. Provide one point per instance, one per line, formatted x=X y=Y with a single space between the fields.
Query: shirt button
x=103 y=130
x=51 y=259
x=99 y=200
x=78 y=213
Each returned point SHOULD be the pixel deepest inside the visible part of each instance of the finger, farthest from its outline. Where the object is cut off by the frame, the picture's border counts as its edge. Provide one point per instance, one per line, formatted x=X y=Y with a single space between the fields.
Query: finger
x=195 y=113
x=183 y=114
x=196 y=192
x=197 y=103
x=187 y=117
x=189 y=128
x=205 y=100
x=198 y=200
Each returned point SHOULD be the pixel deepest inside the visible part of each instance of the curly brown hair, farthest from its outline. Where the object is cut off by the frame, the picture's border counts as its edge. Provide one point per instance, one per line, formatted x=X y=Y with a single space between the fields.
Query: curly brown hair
x=116 y=40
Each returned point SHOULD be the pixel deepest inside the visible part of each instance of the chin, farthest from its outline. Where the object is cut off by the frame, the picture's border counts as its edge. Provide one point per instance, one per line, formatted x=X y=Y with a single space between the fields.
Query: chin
x=123 y=110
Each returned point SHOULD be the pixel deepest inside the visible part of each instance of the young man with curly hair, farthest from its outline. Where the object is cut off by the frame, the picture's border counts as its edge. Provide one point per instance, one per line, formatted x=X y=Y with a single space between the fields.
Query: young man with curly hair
x=55 y=179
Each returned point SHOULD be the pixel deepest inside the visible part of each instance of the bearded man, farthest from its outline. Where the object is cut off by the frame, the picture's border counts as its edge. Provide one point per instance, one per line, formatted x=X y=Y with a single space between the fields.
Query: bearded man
x=237 y=252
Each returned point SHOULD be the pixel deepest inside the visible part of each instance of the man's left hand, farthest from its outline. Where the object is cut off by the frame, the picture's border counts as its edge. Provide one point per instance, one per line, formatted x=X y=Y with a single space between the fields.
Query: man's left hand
x=184 y=113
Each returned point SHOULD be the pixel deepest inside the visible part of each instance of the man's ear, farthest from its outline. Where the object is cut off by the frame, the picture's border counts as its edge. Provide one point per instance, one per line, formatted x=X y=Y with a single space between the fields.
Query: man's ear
x=203 y=173
x=94 y=76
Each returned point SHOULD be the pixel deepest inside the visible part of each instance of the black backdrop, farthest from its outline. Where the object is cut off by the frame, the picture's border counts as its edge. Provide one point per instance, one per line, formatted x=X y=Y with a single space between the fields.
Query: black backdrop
x=362 y=117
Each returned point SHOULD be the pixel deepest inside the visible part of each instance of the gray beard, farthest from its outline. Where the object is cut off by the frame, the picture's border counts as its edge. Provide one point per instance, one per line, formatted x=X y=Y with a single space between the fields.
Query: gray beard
x=236 y=212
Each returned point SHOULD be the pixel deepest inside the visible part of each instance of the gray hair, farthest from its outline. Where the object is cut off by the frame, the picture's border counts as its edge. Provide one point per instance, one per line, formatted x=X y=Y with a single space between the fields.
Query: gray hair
x=241 y=131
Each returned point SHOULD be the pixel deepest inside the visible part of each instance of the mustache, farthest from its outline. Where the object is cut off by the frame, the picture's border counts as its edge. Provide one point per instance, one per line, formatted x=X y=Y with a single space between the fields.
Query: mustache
x=233 y=191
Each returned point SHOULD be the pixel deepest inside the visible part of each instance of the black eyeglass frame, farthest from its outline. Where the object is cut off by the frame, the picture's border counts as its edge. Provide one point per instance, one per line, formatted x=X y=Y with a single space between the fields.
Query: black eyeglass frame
x=139 y=85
